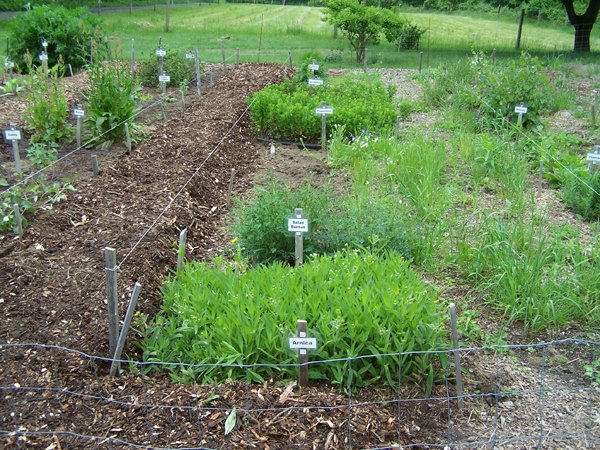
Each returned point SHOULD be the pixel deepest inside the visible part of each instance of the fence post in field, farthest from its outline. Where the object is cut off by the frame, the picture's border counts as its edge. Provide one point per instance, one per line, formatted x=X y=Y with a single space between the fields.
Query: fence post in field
x=223 y=56
x=420 y=61
x=181 y=249
x=127 y=138
x=520 y=30
x=593 y=111
x=290 y=59
x=457 y=368
x=116 y=365
x=167 y=16
x=237 y=56
x=110 y=267
x=132 y=68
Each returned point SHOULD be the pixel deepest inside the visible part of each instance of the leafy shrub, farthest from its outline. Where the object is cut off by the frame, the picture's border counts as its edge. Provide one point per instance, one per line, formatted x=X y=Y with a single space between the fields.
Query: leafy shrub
x=582 y=193
x=111 y=102
x=355 y=303
x=287 y=110
x=404 y=34
x=175 y=64
x=260 y=225
x=47 y=113
x=68 y=32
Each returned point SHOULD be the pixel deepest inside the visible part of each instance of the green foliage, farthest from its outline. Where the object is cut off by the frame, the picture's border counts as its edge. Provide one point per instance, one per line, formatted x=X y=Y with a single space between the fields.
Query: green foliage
x=287 y=110
x=175 y=64
x=592 y=371
x=38 y=194
x=582 y=193
x=47 y=113
x=111 y=102
x=68 y=33
x=356 y=304
x=40 y=154
x=305 y=72
x=405 y=35
x=544 y=280
x=559 y=157
x=335 y=222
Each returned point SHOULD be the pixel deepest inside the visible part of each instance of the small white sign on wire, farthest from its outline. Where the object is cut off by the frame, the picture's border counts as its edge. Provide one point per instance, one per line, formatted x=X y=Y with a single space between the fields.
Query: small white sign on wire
x=315 y=81
x=161 y=52
x=325 y=110
x=43 y=56
x=303 y=343
x=78 y=112
x=314 y=67
x=190 y=55
x=164 y=78
x=9 y=64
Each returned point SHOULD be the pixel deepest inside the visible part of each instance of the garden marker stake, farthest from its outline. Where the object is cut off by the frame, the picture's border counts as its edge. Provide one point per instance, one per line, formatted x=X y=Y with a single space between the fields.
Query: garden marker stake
x=95 y=168
x=110 y=267
x=237 y=56
x=181 y=249
x=302 y=343
x=127 y=138
x=324 y=110
x=593 y=158
x=290 y=59
x=420 y=61
x=14 y=135
x=18 y=221
x=520 y=109
x=132 y=68
x=230 y=190
x=298 y=225
x=79 y=113
x=223 y=56
x=459 y=380
x=116 y=365
x=593 y=111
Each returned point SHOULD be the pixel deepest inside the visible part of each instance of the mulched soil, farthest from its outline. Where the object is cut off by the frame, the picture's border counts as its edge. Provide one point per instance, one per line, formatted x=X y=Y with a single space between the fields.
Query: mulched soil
x=52 y=291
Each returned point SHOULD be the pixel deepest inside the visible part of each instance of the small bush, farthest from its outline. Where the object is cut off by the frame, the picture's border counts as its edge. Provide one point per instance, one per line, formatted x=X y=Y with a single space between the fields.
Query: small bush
x=41 y=154
x=582 y=193
x=175 y=64
x=356 y=304
x=287 y=110
x=68 y=32
x=47 y=113
x=335 y=223
x=305 y=72
x=111 y=102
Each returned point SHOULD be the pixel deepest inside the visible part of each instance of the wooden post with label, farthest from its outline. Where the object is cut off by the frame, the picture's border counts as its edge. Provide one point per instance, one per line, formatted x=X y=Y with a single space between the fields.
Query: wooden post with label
x=14 y=135
x=324 y=110
x=298 y=225
x=110 y=267
x=78 y=113
x=520 y=109
x=593 y=158
x=197 y=63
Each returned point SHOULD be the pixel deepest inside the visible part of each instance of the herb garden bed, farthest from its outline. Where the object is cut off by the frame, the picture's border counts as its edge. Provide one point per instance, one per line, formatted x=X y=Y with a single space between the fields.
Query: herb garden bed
x=52 y=292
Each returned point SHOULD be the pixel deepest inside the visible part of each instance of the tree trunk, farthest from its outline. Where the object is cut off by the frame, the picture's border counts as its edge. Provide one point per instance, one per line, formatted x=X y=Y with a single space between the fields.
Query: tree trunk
x=582 y=37
x=583 y=23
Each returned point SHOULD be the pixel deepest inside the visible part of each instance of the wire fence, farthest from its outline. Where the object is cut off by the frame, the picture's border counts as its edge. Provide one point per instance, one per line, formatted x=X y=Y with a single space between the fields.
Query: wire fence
x=542 y=395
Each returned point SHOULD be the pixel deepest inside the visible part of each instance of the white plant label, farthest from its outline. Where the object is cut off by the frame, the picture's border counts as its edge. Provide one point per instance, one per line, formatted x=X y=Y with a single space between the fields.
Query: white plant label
x=324 y=111
x=78 y=112
x=9 y=64
x=303 y=342
x=12 y=135
x=298 y=225
x=43 y=57
x=190 y=55
x=313 y=67
x=520 y=109
x=161 y=52
x=593 y=157
x=164 y=78
x=44 y=43
x=315 y=82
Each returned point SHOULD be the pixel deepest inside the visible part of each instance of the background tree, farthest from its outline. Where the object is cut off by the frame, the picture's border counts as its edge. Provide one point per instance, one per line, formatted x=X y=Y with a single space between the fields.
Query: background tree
x=583 y=23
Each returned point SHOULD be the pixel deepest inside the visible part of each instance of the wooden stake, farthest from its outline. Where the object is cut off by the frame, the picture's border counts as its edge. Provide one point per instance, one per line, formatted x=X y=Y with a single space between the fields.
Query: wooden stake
x=181 y=249
x=290 y=59
x=237 y=56
x=223 y=56
x=230 y=190
x=116 y=364
x=110 y=266
x=127 y=138
x=71 y=69
x=459 y=380
x=365 y=58
x=302 y=355
x=210 y=78
x=167 y=16
x=494 y=56
x=16 y=155
x=78 y=132
x=593 y=113
x=95 y=165
x=520 y=30
x=299 y=242
x=262 y=18
x=18 y=221
x=132 y=64
x=324 y=129
x=420 y=61
x=197 y=72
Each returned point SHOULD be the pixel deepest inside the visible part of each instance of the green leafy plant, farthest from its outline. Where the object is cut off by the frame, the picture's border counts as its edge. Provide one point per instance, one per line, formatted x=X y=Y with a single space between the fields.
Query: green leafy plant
x=40 y=154
x=175 y=64
x=582 y=193
x=47 y=113
x=304 y=70
x=68 y=32
x=111 y=102
x=593 y=371
x=287 y=110
x=356 y=304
